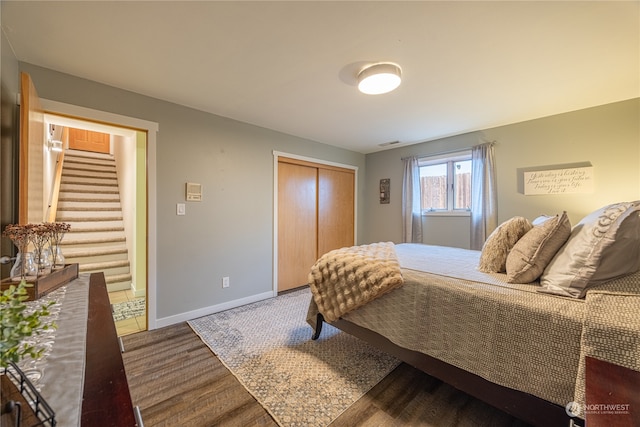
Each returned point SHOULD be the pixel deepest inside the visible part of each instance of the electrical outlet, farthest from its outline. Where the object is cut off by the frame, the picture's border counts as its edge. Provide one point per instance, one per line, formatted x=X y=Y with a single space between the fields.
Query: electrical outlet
x=225 y=282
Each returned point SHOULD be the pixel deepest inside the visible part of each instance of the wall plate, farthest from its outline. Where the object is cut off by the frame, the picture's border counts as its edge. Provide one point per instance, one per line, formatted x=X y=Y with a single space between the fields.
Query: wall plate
x=194 y=192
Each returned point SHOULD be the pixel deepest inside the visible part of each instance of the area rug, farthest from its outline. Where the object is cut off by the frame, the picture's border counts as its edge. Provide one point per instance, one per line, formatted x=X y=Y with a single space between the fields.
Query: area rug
x=267 y=345
x=128 y=309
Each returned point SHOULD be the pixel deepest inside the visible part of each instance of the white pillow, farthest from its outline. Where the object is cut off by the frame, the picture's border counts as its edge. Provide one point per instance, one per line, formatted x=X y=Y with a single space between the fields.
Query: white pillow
x=542 y=218
x=603 y=245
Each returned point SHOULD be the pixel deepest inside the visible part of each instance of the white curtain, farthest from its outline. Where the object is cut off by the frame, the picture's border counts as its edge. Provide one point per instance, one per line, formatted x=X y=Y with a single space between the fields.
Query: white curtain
x=411 y=211
x=484 y=199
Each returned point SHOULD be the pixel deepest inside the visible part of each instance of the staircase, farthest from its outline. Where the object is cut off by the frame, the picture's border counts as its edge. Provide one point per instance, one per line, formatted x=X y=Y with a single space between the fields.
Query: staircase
x=89 y=201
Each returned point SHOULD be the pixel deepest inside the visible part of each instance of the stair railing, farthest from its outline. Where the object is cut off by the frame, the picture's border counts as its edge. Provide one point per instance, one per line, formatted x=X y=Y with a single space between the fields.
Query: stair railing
x=57 y=179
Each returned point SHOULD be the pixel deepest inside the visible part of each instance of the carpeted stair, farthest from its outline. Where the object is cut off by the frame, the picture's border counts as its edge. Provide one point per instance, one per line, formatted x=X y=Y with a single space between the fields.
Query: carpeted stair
x=89 y=200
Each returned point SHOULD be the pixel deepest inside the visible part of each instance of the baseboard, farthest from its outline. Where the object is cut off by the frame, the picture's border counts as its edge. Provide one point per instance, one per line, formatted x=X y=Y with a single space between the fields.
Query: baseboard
x=205 y=311
x=119 y=286
x=138 y=293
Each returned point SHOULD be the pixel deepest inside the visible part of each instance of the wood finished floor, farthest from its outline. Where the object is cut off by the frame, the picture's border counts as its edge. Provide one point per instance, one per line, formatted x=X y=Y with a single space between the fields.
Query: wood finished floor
x=176 y=380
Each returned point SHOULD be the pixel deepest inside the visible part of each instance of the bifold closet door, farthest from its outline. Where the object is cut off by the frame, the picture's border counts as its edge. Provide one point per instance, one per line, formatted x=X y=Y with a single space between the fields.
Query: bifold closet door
x=336 y=188
x=297 y=223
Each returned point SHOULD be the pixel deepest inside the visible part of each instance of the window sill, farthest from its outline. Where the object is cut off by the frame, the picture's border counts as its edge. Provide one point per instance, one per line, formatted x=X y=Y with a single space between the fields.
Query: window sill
x=447 y=213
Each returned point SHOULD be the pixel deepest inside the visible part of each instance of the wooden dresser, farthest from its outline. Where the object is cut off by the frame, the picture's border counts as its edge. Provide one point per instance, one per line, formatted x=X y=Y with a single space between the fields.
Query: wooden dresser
x=106 y=399
x=612 y=395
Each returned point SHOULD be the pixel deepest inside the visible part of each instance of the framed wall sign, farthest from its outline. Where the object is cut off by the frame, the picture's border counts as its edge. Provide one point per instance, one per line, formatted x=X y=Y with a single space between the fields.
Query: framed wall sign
x=559 y=181
x=385 y=191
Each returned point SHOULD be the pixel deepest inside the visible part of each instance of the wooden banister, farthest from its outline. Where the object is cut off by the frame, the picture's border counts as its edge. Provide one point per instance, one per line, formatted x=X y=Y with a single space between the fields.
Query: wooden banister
x=53 y=207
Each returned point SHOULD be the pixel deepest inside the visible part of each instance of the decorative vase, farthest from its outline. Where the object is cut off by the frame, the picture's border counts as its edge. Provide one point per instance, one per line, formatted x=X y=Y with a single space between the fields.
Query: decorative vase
x=57 y=258
x=43 y=261
x=23 y=268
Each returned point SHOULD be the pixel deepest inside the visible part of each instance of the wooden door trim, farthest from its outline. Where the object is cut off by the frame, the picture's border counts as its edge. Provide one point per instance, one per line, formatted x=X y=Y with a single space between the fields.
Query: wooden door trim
x=288 y=157
x=23 y=152
x=32 y=137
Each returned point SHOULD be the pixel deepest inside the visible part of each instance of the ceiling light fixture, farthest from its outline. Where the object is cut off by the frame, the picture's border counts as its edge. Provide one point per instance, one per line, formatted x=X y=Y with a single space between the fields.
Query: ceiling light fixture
x=379 y=78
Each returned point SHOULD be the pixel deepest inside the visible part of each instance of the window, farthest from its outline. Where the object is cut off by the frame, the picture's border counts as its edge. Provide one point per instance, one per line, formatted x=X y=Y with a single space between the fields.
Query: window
x=446 y=184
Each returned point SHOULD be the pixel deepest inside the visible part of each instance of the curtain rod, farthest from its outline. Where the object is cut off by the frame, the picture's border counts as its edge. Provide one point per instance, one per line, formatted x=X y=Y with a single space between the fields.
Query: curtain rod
x=440 y=153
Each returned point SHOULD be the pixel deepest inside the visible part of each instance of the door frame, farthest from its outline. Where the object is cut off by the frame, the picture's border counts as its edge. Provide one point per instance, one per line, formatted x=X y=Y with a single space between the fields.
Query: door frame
x=276 y=158
x=151 y=129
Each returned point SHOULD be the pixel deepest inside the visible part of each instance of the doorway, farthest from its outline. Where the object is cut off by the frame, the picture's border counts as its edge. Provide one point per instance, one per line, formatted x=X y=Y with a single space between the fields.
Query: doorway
x=141 y=135
x=102 y=196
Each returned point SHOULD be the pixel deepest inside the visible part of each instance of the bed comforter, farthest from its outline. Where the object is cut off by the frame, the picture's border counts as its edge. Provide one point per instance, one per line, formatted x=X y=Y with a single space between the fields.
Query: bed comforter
x=347 y=278
x=506 y=333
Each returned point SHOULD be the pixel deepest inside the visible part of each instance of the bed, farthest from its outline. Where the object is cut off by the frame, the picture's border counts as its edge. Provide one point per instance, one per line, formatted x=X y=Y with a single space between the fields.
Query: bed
x=518 y=346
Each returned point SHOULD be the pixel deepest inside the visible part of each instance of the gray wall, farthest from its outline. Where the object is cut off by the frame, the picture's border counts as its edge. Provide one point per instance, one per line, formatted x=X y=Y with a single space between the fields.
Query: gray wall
x=607 y=136
x=229 y=233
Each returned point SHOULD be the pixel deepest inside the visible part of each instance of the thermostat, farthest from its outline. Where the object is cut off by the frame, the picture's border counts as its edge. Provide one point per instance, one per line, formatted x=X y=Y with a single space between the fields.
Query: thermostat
x=194 y=192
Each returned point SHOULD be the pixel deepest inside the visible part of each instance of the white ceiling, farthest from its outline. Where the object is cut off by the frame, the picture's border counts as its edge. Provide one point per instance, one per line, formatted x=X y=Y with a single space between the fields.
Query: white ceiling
x=292 y=66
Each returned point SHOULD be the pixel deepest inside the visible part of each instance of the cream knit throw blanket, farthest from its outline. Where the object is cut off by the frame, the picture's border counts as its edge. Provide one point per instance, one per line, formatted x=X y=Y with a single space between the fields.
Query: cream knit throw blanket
x=347 y=278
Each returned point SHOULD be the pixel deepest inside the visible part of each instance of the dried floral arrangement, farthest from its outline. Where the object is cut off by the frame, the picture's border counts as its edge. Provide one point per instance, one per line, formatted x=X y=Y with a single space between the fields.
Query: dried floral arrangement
x=40 y=236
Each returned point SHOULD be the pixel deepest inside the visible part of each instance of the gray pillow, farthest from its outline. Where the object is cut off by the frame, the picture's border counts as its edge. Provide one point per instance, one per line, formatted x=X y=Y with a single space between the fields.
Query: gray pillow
x=603 y=245
x=493 y=258
x=534 y=250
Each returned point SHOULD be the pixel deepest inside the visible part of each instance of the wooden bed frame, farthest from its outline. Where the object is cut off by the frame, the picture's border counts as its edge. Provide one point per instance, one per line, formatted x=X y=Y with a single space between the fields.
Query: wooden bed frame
x=524 y=406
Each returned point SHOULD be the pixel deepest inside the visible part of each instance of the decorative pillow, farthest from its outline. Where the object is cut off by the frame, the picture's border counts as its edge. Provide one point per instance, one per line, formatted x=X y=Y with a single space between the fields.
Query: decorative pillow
x=493 y=258
x=603 y=245
x=534 y=250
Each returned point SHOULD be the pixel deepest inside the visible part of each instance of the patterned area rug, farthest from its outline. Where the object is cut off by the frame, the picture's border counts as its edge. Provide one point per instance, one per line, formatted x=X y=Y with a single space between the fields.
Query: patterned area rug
x=128 y=309
x=267 y=345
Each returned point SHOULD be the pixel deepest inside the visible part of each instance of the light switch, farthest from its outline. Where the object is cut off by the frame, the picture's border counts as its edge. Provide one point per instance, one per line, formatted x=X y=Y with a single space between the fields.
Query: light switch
x=180 y=209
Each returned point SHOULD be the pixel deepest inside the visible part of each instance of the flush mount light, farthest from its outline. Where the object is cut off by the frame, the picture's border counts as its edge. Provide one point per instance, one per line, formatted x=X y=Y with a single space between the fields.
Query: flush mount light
x=379 y=78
